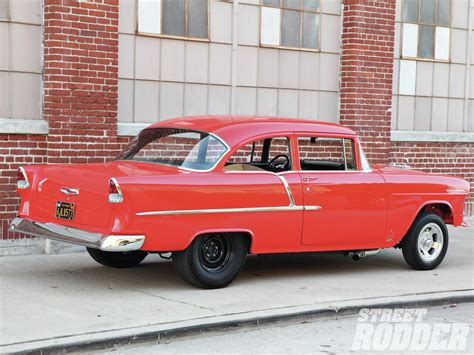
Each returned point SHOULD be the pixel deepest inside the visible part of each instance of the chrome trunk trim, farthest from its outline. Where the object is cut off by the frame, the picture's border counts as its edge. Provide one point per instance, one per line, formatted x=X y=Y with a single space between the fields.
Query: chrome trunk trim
x=69 y=191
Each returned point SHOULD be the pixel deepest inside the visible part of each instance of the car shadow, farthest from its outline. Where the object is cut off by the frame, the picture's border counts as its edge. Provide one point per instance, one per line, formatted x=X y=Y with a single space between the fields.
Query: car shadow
x=155 y=272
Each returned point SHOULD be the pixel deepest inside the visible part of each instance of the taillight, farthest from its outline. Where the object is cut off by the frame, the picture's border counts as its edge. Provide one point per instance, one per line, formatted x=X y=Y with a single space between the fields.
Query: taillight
x=115 y=193
x=22 y=179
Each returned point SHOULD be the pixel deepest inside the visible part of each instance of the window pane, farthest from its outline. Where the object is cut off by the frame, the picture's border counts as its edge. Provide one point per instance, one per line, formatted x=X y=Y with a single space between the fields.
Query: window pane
x=290 y=28
x=410 y=11
x=442 y=43
x=444 y=12
x=173 y=17
x=198 y=150
x=292 y=4
x=270 y=31
x=197 y=18
x=271 y=3
x=410 y=40
x=250 y=153
x=426 y=44
x=149 y=16
x=321 y=153
x=310 y=30
x=427 y=11
x=279 y=146
x=312 y=5
x=350 y=156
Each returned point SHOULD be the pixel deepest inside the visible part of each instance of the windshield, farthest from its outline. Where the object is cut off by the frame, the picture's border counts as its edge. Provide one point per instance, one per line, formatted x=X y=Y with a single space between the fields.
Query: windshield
x=175 y=147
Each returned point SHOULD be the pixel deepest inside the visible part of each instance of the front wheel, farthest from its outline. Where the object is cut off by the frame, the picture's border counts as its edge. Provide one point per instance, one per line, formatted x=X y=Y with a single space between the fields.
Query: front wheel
x=426 y=243
x=119 y=260
x=212 y=260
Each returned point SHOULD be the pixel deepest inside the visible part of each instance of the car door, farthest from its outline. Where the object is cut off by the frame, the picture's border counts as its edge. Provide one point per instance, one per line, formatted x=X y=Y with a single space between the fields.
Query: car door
x=352 y=201
x=259 y=175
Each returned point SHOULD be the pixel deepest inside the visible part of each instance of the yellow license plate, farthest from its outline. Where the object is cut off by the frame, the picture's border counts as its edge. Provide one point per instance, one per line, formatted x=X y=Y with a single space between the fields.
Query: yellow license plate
x=65 y=210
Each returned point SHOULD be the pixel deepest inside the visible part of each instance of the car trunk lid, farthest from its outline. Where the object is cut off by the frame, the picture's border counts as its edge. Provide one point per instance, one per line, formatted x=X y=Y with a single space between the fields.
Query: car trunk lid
x=83 y=188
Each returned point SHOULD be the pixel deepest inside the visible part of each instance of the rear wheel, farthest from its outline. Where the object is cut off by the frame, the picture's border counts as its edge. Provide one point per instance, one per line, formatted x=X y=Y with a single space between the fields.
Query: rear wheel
x=117 y=259
x=426 y=243
x=212 y=260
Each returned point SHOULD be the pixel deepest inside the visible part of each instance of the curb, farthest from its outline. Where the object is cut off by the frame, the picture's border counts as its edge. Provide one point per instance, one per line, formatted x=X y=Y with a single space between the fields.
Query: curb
x=170 y=331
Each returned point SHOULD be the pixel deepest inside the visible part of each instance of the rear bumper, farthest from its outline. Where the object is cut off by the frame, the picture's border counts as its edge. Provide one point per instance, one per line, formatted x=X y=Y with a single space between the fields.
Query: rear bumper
x=77 y=236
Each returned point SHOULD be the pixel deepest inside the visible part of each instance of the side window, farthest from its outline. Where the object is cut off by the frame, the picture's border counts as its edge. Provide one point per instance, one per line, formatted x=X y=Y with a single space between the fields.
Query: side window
x=278 y=147
x=271 y=154
x=249 y=153
x=349 y=154
x=326 y=154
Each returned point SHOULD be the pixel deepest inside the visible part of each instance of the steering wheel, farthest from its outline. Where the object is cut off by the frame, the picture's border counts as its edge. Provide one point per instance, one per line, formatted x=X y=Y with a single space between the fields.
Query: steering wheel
x=281 y=165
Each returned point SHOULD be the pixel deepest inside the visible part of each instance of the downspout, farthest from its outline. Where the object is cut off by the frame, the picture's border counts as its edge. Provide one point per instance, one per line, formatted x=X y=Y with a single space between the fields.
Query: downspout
x=235 y=47
x=469 y=59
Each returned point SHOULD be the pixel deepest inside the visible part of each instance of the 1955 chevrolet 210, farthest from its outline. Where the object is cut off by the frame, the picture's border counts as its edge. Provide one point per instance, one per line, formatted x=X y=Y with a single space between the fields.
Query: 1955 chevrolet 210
x=211 y=190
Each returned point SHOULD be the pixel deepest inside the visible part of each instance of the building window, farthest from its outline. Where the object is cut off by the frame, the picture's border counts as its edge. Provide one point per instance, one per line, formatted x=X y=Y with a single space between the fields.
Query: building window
x=178 y=18
x=426 y=32
x=290 y=23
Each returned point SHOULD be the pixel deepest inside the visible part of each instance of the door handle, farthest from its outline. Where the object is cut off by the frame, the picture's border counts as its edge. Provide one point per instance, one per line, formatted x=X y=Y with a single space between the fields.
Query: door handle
x=309 y=179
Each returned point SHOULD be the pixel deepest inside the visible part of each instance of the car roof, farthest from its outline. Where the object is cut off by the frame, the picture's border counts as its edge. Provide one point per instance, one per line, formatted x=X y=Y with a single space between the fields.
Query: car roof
x=234 y=129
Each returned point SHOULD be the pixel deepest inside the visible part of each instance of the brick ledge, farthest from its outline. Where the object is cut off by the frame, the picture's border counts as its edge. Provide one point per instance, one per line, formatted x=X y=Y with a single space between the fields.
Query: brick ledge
x=428 y=136
x=23 y=126
x=130 y=129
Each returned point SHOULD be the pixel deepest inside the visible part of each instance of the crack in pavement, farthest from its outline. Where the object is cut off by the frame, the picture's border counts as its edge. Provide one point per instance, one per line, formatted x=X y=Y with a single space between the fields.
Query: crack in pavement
x=170 y=300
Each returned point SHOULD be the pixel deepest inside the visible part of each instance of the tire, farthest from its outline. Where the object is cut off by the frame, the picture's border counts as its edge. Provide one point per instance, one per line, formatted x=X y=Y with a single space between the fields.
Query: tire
x=426 y=243
x=212 y=260
x=119 y=260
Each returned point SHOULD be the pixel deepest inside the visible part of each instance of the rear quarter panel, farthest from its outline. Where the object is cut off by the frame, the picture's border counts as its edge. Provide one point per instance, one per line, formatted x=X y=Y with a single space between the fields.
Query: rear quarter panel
x=409 y=193
x=270 y=231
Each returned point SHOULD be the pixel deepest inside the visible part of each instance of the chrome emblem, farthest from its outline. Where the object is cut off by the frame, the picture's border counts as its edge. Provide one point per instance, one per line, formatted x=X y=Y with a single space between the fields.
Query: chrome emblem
x=69 y=191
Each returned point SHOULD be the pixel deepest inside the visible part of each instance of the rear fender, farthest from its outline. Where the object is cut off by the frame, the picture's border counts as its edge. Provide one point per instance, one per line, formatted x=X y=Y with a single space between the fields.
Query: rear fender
x=247 y=232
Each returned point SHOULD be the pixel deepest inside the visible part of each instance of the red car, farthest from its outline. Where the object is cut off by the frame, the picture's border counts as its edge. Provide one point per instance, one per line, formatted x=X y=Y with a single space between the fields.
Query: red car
x=211 y=190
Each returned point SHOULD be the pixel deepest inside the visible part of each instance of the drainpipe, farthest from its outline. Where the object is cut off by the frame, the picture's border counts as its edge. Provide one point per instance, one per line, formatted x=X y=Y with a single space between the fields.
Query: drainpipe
x=235 y=47
x=469 y=59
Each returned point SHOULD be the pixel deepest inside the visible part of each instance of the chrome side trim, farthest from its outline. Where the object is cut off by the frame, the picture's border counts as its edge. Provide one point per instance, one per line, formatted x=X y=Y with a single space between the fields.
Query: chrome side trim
x=312 y=208
x=71 y=235
x=288 y=190
x=231 y=210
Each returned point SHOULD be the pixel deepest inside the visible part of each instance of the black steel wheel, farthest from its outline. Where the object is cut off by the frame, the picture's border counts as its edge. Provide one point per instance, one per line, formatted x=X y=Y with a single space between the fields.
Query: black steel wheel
x=119 y=260
x=212 y=260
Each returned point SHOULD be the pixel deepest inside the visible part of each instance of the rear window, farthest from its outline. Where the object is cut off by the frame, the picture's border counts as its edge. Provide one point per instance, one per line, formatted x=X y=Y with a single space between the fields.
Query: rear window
x=175 y=147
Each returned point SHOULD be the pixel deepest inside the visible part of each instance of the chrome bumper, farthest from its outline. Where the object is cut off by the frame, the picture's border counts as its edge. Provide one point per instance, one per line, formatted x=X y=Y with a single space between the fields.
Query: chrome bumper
x=77 y=236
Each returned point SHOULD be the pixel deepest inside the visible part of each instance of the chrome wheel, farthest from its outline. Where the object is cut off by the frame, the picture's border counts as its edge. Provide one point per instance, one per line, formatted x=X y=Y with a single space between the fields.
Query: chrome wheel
x=430 y=242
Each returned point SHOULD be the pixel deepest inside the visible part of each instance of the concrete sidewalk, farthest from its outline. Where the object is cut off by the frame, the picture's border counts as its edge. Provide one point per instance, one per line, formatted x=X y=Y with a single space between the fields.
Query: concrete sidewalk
x=50 y=300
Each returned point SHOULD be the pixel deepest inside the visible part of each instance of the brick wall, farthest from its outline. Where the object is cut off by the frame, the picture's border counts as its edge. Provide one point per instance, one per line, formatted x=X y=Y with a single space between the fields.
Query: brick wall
x=81 y=79
x=80 y=95
x=366 y=95
x=366 y=73
x=16 y=150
